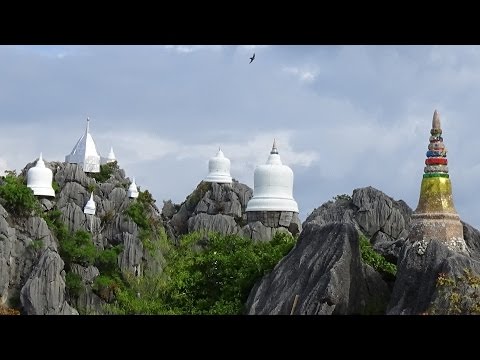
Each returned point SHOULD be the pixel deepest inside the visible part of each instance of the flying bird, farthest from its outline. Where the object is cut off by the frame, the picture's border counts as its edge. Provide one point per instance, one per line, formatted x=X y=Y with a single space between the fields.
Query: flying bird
x=252 y=58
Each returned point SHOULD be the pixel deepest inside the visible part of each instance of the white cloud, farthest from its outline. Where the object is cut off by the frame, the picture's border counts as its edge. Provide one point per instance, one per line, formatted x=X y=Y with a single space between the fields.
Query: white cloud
x=303 y=74
x=186 y=49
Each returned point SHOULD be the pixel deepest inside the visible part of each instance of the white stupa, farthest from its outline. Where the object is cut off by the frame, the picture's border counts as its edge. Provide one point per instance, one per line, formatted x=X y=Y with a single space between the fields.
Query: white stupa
x=39 y=179
x=132 y=190
x=111 y=156
x=219 y=169
x=90 y=207
x=273 y=186
x=85 y=152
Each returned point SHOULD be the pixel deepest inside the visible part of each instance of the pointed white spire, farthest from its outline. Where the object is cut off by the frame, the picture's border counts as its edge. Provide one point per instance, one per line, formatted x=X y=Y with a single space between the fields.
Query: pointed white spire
x=132 y=190
x=111 y=156
x=90 y=207
x=40 y=162
x=274 y=147
x=85 y=152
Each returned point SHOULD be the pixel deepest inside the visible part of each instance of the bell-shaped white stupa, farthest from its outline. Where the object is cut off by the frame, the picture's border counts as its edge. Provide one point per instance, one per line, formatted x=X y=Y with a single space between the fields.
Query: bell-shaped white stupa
x=90 y=207
x=85 y=152
x=111 y=156
x=273 y=186
x=219 y=169
x=39 y=179
x=132 y=190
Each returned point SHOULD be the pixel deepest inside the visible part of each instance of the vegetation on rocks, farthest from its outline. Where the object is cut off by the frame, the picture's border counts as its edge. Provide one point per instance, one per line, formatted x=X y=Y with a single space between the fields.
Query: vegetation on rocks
x=205 y=275
x=457 y=295
x=375 y=260
x=16 y=197
x=106 y=171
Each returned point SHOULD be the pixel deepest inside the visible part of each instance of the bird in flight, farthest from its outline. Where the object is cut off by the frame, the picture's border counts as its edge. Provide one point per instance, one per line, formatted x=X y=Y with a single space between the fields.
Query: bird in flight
x=252 y=58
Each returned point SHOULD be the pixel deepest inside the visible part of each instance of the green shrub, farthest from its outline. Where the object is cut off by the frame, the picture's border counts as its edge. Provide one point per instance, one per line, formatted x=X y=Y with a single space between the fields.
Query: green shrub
x=106 y=170
x=456 y=295
x=78 y=248
x=73 y=284
x=17 y=198
x=214 y=280
x=375 y=260
x=342 y=197
x=55 y=187
x=106 y=260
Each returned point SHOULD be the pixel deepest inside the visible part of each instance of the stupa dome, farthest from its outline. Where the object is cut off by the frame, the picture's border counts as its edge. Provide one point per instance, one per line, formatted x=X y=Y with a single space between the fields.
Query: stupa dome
x=273 y=186
x=219 y=169
x=90 y=207
x=39 y=179
x=132 y=190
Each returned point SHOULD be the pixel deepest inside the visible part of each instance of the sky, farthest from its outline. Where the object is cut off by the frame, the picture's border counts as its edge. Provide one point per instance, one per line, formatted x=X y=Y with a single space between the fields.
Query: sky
x=344 y=117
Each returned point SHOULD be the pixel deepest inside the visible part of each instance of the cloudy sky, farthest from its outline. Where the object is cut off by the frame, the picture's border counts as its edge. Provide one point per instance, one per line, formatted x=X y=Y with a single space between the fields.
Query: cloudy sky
x=344 y=116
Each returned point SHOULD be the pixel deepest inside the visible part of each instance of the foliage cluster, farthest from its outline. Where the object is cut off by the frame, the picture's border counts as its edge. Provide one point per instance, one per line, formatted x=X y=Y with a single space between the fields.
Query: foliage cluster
x=375 y=260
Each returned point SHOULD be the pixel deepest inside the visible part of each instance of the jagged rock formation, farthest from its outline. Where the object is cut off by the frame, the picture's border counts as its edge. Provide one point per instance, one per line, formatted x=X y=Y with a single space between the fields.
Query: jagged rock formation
x=31 y=272
x=210 y=207
x=323 y=274
x=31 y=269
x=420 y=264
x=221 y=207
x=382 y=219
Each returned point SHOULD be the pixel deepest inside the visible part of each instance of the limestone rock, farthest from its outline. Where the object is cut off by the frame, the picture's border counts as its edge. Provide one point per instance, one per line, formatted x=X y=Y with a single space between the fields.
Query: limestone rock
x=323 y=274
x=44 y=291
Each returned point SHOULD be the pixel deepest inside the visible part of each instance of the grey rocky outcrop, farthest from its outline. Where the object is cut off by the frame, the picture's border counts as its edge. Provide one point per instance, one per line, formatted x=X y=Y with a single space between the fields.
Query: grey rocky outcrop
x=420 y=264
x=323 y=274
x=210 y=207
x=383 y=220
x=222 y=208
x=44 y=291
x=32 y=273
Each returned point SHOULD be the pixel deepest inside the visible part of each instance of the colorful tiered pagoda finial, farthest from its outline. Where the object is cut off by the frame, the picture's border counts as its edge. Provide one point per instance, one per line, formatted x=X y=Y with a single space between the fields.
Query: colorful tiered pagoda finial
x=435 y=217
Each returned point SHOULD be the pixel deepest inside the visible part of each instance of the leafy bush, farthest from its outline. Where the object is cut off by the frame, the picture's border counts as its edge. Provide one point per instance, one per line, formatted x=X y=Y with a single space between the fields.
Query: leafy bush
x=106 y=260
x=375 y=260
x=78 y=248
x=204 y=275
x=342 y=197
x=459 y=295
x=106 y=170
x=73 y=284
x=16 y=197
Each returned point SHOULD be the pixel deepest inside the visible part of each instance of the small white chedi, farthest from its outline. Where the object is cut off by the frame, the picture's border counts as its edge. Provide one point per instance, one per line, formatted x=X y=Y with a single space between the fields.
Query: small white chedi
x=219 y=169
x=39 y=179
x=85 y=152
x=273 y=186
x=90 y=207
x=132 y=190
x=111 y=156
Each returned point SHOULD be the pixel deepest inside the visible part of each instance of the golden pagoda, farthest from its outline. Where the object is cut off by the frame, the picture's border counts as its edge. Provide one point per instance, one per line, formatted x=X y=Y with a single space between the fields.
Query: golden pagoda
x=435 y=217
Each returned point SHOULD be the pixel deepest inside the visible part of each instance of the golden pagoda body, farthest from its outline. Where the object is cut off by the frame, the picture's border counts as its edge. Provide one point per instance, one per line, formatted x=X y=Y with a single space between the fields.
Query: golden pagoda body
x=435 y=217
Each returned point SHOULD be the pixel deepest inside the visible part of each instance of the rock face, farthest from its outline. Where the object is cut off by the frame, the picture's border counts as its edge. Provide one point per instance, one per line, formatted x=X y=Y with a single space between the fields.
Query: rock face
x=221 y=208
x=262 y=225
x=323 y=274
x=44 y=291
x=420 y=264
x=383 y=220
x=211 y=207
x=32 y=273
x=415 y=289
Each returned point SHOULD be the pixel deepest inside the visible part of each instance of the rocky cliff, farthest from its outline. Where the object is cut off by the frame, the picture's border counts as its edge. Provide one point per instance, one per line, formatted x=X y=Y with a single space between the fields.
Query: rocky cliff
x=221 y=208
x=324 y=273
x=32 y=272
